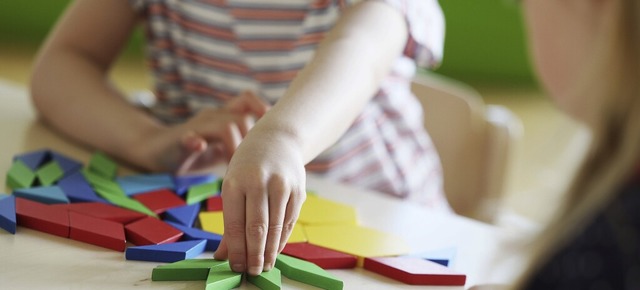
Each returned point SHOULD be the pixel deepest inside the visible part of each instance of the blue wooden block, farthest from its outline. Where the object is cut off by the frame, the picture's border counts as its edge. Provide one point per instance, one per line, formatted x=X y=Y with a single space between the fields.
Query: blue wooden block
x=68 y=164
x=167 y=253
x=8 y=213
x=34 y=159
x=184 y=215
x=45 y=194
x=78 y=189
x=213 y=240
x=444 y=257
x=134 y=184
x=183 y=183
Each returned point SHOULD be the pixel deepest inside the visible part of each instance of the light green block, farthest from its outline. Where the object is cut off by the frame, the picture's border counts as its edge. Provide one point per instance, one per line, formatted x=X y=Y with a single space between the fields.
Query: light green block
x=20 y=176
x=129 y=203
x=267 y=280
x=185 y=270
x=307 y=272
x=200 y=192
x=102 y=165
x=49 y=173
x=221 y=277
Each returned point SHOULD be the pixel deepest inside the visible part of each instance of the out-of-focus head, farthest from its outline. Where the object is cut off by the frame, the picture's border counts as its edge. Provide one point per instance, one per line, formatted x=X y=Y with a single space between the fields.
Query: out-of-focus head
x=583 y=50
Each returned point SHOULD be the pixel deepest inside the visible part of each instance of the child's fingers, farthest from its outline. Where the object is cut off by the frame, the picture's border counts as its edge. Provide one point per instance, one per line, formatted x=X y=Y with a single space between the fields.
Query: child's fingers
x=234 y=227
x=257 y=228
x=222 y=251
x=278 y=199
x=296 y=200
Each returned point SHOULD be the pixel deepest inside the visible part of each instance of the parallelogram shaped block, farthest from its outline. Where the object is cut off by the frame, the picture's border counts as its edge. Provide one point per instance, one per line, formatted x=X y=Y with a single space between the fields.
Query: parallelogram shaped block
x=45 y=194
x=8 y=213
x=270 y=280
x=184 y=182
x=42 y=217
x=415 y=271
x=356 y=240
x=151 y=231
x=100 y=232
x=184 y=215
x=167 y=253
x=160 y=200
x=106 y=212
x=307 y=272
x=221 y=277
x=49 y=173
x=186 y=270
x=198 y=193
x=103 y=165
x=323 y=257
x=320 y=211
x=20 y=176
x=134 y=184
x=213 y=240
x=212 y=221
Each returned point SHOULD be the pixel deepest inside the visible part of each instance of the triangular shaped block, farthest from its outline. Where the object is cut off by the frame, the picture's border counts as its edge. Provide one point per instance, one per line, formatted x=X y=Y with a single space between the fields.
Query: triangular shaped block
x=34 y=159
x=68 y=164
x=46 y=194
x=184 y=215
x=77 y=189
x=213 y=240
x=134 y=184
x=8 y=213
x=186 y=270
x=167 y=253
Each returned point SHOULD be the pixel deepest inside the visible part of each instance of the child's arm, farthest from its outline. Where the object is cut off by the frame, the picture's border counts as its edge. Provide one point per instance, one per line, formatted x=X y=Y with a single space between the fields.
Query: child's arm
x=71 y=91
x=264 y=187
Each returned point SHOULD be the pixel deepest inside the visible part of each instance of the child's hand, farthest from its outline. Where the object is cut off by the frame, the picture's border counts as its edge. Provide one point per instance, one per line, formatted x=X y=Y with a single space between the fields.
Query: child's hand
x=209 y=137
x=262 y=192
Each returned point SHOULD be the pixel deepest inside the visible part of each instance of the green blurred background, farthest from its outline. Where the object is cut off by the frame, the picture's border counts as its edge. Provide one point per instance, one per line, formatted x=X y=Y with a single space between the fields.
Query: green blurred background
x=484 y=42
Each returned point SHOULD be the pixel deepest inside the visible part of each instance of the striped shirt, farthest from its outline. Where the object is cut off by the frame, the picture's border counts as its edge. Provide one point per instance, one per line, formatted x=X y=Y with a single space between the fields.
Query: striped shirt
x=206 y=52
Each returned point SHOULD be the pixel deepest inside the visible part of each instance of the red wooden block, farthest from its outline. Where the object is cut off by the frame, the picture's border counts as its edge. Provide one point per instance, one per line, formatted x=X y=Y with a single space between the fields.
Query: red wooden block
x=99 y=232
x=415 y=271
x=214 y=203
x=159 y=201
x=151 y=231
x=106 y=211
x=323 y=257
x=42 y=217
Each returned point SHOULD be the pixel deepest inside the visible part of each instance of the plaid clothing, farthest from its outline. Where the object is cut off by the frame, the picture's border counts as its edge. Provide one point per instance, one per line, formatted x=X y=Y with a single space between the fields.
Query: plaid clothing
x=205 y=52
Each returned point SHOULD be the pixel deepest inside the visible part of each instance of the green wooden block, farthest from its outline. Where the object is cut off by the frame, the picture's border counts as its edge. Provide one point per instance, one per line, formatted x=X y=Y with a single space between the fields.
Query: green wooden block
x=200 y=192
x=20 y=176
x=267 y=280
x=102 y=165
x=185 y=270
x=129 y=203
x=221 y=277
x=49 y=173
x=307 y=272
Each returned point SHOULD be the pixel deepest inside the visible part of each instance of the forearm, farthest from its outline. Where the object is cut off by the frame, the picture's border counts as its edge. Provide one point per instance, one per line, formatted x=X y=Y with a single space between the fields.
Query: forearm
x=331 y=91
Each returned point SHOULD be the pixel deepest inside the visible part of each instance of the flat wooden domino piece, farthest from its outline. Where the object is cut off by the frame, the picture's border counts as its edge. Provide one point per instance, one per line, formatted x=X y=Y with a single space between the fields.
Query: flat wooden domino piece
x=270 y=280
x=307 y=272
x=77 y=189
x=106 y=211
x=34 y=159
x=183 y=183
x=212 y=221
x=151 y=231
x=214 y=203
x=323 y=257
x=213 y=240
x=141 y=183
x=102 y=165
x=201 y=192
x=49 y=173
x=45 y=194
x=100 y=232
x=184 y=215
x=20 y=176
x=66 y=163
x=221 y=277
x=186 y=270
x=415 y=271
x=42 y=217
x=8 y=213
x=356 y=240
x=314 y=212
x=159 y=201
x=167 y=253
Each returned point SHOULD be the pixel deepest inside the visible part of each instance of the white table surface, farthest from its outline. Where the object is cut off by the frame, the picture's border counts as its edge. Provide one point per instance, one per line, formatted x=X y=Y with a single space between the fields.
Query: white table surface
x=35 y=260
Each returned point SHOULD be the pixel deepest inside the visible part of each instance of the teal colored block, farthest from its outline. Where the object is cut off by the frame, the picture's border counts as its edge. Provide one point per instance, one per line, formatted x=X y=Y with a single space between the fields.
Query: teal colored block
x=168 y=253
x=102 y=165
x=49 y=173
x=8 y=213
x=200 y=192
x=186 y=270
x=20 y=176
x=267 y=280
x=307 y=272
x=221 y=277
x=45 y=194
x=134 y=184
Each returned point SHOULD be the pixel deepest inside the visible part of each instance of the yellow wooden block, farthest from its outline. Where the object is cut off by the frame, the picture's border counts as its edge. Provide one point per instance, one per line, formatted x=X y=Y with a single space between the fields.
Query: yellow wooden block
x=297 y=235
x=319 y=211
x=356 y=240
x=211 y=221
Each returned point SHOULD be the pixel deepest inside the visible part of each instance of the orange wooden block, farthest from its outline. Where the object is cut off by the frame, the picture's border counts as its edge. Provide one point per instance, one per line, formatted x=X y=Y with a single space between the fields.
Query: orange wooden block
x=151 y=231
x=42 y=217
x=99 y=232
x=159 y=201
